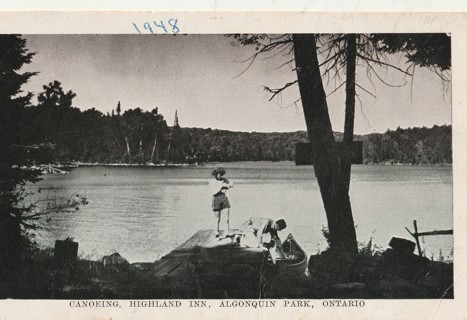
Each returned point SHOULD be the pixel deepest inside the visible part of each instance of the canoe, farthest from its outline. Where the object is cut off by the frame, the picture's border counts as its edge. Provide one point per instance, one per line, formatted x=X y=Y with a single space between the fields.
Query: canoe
x=297 y=259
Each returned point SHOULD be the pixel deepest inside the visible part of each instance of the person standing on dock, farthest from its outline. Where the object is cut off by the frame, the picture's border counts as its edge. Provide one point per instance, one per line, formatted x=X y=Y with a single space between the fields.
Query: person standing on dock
x=220 y=202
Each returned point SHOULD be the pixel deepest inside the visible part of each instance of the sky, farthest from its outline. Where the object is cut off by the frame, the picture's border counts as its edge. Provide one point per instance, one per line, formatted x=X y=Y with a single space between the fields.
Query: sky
x=203 y=78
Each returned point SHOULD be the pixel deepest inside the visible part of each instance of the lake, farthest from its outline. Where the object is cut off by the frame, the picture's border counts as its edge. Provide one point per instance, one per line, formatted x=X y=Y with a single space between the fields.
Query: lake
x=144 y=212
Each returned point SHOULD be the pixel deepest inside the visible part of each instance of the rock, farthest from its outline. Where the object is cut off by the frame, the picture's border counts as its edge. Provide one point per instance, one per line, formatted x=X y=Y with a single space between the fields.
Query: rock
x=402 y=245
x=65 y=251
x=403 y=265
x=114 y=259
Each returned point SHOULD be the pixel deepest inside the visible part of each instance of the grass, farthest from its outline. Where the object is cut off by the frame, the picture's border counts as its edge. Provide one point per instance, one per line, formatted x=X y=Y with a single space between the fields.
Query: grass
x=373 y=273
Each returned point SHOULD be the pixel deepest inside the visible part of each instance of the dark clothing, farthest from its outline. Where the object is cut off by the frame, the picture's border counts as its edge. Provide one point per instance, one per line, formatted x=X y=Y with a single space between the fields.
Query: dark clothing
x=220 y=202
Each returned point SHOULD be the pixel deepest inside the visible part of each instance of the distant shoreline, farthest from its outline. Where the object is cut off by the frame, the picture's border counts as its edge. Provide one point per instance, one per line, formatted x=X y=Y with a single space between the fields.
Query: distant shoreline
x=89 y=164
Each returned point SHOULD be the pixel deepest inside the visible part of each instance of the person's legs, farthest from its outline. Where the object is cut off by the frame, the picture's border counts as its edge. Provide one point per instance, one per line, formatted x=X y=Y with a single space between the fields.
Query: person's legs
x=226 y=207
x=227 y=231
x=217 y=215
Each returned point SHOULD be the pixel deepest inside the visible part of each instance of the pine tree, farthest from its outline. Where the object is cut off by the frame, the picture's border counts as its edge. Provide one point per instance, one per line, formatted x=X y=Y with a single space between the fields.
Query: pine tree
x=17 y=217
x=13 y=55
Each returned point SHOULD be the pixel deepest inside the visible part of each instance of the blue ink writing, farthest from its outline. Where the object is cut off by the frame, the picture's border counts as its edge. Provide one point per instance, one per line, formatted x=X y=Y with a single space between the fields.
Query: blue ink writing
x=158 y=27
x=161 y=25
x=136 y=27
x=173 y=23
x=147 y=26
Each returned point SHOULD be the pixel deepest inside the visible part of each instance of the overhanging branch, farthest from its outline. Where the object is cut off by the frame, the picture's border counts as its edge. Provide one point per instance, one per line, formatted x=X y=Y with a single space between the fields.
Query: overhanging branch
x=275 y=92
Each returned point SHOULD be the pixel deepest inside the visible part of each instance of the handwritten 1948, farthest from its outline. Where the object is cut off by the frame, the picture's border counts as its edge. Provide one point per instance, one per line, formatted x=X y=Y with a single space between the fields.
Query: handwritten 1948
x=158 y=27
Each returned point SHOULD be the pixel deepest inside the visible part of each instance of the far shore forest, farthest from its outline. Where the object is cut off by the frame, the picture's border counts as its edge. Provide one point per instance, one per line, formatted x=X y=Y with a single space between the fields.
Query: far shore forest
x=67 y=134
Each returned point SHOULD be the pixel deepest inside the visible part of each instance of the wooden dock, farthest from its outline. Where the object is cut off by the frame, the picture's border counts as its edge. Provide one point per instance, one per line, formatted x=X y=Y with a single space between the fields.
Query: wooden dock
x=204 y=249
x=204 y=262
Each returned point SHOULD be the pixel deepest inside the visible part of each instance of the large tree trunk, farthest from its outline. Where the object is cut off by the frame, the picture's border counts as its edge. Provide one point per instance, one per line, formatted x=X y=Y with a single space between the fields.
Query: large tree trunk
x=350 y=87
x=349 y=106
x=326 y=159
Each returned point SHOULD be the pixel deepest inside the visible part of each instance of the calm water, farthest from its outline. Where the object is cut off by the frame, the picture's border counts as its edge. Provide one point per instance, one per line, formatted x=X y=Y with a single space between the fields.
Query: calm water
x=143 y=213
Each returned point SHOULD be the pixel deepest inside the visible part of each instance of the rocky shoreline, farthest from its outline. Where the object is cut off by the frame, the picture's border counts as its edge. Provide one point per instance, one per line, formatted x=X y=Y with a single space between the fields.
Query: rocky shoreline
x=392 y=274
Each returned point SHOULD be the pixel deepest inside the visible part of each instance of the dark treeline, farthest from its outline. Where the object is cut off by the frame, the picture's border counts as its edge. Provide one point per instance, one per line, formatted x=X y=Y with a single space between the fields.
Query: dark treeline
x=137 y=136
x=412 y=146
x=132 y=136
x=409 y=146
x=223 y=145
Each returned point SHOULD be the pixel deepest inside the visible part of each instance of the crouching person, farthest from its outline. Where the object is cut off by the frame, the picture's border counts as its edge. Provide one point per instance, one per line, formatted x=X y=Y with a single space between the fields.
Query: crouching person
x=263 y=233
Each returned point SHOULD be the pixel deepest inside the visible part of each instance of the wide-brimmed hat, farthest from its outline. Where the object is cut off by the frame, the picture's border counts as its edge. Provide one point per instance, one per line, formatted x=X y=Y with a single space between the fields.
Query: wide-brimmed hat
x=217 y=171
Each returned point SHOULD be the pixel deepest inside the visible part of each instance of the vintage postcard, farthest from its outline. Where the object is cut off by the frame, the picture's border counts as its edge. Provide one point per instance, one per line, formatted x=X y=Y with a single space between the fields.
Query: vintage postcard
x=232 y=165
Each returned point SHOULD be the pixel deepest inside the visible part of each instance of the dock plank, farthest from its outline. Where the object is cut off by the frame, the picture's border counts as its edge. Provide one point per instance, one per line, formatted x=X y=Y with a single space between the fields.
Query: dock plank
x=198 y=239
x=204 y=249
x=203 y=239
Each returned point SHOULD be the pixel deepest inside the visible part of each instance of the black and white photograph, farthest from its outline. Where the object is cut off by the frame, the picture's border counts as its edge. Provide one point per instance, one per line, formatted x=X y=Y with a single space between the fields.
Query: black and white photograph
x=227 y=166
x=165 y=169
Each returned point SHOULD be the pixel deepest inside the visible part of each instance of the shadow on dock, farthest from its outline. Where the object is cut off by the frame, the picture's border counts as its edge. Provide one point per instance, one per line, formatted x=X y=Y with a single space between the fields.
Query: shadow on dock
x=208 y=267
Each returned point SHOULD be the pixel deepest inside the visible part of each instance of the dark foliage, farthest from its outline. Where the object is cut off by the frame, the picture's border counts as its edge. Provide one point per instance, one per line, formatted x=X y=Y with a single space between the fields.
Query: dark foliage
x=90 y=136
x=19 y=213
x=408 y=146
x=425 y=50
x=13 y=55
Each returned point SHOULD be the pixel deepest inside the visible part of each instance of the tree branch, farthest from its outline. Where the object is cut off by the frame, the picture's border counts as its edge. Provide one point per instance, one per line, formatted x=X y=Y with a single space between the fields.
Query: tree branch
x=336 y=89
x=371 y=94
x=384 y=64
x=265 y=48
x=361 y=109
x=381 y=79
x=275 y=92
